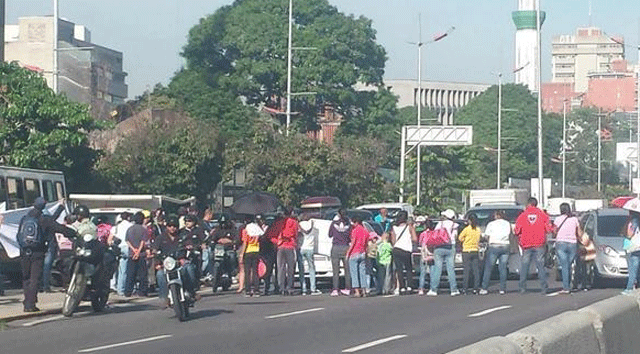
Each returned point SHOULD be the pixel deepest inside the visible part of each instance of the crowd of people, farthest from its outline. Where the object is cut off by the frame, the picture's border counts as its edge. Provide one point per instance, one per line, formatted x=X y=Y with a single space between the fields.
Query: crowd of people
x=373 y=264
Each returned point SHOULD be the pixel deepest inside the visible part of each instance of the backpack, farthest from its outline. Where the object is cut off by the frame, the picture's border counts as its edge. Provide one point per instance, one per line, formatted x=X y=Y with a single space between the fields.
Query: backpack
x=30 y=234
x=435 y=238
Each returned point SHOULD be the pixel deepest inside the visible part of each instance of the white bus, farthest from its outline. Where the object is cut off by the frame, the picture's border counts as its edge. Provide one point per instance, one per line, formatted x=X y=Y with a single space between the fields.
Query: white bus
x=19 y=187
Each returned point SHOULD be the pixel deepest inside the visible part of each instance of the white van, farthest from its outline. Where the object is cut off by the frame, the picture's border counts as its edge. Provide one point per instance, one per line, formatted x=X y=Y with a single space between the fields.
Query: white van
x=392 y=208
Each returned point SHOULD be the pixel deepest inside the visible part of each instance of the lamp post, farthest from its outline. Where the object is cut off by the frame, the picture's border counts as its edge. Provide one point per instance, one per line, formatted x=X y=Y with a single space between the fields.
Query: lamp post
x=499 y=164
x=539 y=81
x=564 y=145
x=289 y=67
x=56 y=15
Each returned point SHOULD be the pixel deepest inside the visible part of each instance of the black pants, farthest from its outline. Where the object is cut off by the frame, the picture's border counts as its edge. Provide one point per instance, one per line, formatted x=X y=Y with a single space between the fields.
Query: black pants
x=584 y=274
x=471 y=263
x=286 y=268
x=136 y=272
x=269 y=251
x=251 y=281
x=371 y=265
x=32 y=265
x=402 y=261
x=339 y=252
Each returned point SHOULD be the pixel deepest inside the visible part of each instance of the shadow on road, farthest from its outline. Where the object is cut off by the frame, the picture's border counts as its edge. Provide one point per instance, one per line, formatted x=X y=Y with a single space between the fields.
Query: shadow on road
x=251 y=303
x=206 y=314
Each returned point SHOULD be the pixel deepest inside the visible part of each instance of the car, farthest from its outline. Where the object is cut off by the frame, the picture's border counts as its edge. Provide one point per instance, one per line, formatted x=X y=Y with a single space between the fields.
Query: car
x=606 y=228
x=392 y=208
x=110 y=214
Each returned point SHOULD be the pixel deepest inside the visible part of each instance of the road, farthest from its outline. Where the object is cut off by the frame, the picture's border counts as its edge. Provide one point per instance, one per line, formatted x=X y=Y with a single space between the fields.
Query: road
x=230 y=323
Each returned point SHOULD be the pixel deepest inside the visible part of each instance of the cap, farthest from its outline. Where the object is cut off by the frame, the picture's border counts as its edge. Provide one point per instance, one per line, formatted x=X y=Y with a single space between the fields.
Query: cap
x=190 y=217
x=421 y=218
x=39 y=203
x=173 y=221
x=449 y=214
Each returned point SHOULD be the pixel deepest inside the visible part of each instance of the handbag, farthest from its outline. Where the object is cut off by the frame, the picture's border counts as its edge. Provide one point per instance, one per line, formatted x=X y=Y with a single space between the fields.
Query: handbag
x=435 y=238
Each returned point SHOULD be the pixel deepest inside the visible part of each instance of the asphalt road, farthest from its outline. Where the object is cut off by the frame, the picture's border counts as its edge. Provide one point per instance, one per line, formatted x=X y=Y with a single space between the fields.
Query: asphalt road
x=230 y=323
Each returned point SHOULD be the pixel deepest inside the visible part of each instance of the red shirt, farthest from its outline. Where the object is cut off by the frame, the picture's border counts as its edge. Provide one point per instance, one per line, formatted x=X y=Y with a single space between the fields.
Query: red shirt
x=273 y=232
x=289 y=233
x=359 y=238
x=532 y=227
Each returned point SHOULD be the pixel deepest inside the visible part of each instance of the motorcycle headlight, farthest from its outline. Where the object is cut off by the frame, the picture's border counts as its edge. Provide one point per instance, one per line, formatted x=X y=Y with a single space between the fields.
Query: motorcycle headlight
x=169 y=263
x=88 y=237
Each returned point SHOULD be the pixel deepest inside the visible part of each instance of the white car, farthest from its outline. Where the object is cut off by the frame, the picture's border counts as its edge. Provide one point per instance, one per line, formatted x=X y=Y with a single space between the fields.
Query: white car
x=110 y=214
x=392 y=208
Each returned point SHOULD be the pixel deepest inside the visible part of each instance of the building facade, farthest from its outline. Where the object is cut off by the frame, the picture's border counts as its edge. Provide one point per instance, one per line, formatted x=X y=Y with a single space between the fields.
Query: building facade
x=87 y=72
x=575 y=57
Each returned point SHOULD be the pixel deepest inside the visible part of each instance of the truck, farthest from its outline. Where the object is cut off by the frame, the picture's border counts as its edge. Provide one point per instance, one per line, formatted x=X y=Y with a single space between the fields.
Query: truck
x=141 y=201
x=498 y=196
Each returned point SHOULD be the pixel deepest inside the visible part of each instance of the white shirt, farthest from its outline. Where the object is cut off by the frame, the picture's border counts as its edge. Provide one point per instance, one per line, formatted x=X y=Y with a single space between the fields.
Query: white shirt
x=451 y=227
x=120 y=232
x=403 y=239
x=498 y=232
x=309 y=235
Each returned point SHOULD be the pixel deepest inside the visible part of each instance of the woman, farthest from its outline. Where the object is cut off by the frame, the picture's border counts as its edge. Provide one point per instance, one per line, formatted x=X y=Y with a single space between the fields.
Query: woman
x=497 y=233
x=445 y=254
x=633 y=250
x=567 y=230
x=470 y=238
x=402 y=236
x=249 y=252
x=356 y=255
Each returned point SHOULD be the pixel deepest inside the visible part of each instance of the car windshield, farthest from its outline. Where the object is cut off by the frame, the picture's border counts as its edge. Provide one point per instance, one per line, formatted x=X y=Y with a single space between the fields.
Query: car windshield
x=611 y=225
x=486 y=215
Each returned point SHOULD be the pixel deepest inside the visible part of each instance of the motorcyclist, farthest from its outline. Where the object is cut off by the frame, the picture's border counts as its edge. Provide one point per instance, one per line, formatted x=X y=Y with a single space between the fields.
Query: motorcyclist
x=83 y=224
x=194 y=236
x=168 y=243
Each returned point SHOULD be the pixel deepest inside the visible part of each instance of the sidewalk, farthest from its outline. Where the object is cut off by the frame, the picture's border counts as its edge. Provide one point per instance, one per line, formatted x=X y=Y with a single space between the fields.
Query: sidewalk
x=11 y=307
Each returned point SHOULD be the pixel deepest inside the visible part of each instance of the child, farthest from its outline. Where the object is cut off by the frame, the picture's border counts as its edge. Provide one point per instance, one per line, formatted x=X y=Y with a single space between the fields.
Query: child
x=384 y=265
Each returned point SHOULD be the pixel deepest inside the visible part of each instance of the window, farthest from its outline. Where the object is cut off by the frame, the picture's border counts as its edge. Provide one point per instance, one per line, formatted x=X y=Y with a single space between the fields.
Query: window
x=15 y=193
x=60 y=192
x=48 y=191
x=3 y=194
x=32 y=190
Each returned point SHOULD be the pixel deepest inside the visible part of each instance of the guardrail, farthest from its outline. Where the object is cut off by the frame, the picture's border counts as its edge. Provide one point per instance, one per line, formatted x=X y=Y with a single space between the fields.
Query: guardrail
x=610 y=326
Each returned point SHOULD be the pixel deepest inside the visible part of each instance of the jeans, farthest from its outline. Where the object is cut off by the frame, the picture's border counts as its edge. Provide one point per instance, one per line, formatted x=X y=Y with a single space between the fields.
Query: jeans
x=424 y=267
x=358 y=270
x=471 y=264
x=301 y=278
x=307 y=255
x=402 y=261
x=538 y=254
x=371 y=265
x=49 y=257
x=566 y=253
x=121 y=281
x=500 y=253
x=286 y=268
x=446 y=255
x=186 y=272
x=206 y=257
x=338 y=253
x=384 y=278
x=633 y=261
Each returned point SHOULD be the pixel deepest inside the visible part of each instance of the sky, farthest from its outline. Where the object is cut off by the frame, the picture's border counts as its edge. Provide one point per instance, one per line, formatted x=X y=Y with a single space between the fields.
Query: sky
x=151 y=33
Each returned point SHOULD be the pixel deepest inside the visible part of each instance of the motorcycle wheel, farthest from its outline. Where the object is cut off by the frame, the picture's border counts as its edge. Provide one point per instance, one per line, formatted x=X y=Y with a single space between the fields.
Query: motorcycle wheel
x=75 y=293
x=215 y=277
x=179 y=307
x=99 y=300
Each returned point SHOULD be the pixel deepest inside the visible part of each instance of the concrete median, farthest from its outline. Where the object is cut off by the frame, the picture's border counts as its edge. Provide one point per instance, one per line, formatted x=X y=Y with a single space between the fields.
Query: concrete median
x=493 y=345
x=617 y=323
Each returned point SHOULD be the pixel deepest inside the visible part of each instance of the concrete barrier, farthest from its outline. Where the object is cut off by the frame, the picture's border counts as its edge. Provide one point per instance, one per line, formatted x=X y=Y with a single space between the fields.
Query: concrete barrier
x=493 y=345
x=617 y=322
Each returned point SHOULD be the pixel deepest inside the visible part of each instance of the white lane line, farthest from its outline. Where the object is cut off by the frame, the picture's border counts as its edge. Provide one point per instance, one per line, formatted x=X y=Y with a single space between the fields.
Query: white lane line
x=33 y=323
x=374 y=343
x=89 y=350
x=294 y=313
x=486 y=312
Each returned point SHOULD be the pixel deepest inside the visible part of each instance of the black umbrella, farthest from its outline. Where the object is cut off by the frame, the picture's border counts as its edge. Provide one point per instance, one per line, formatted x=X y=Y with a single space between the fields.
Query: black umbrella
x=256 y=203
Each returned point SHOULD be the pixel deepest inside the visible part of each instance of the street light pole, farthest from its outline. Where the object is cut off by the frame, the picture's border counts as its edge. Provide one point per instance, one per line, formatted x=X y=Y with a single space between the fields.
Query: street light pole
x=564 y=145
x=56 y=15
x=499 y=128
x=419 y=96
x=599 y=150
x=638 y=119
x=288 y=67
x=538 y=60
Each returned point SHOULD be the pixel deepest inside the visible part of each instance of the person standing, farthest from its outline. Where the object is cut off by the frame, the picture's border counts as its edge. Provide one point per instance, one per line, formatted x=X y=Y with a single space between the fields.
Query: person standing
x=287 y=253
x=340 y=234
x=498 y=232
x=384 y=256
x=52 y=253
x=470 y=238
x=403 y=235
x=568 y=231
x=120 y=232
x=269 y=250
x=136 y=264
x=250 y=250
x=35 y=232
x=383 y=219
x=309 y=238
x=632 y=247
x=445 y=253
x=531 y=229
x=356 y=255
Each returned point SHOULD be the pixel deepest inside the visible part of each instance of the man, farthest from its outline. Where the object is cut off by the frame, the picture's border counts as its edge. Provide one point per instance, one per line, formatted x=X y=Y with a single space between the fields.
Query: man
x=226 y=234
x=531 y=229
x=383 y=219
x=120 y=232
x=194 y=235
x=269 y=251
x=32 y=254
x=137 y=263
x=287 y=242
x=52 y=253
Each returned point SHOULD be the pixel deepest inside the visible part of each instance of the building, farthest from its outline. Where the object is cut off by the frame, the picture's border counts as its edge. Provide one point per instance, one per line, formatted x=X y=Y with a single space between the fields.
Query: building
x=590 y=50
x=87 y=72
x=445 y=98
x=525 y=20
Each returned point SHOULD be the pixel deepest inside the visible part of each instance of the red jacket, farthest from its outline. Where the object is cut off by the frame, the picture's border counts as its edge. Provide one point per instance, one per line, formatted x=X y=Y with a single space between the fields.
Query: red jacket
x=289 y=234
x=532 y=227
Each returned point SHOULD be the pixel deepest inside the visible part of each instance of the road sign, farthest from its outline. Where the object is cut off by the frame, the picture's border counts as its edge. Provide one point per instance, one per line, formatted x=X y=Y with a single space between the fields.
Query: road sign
x=439 y=135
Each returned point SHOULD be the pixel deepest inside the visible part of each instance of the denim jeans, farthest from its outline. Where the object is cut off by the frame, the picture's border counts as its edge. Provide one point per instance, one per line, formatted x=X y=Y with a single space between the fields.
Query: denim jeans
x=187 y=281
x=633 y=261
x=371 y=265
x=538 y=254
x=49 y=257
x=500 y=253
x=307 y=255
x=206 y=257
x=121 y=282
x=447 y=256
x=286 y=268
x=424 y=268
x=566 y=253
x=358 y=270
x=384 y=278
x=301 y=277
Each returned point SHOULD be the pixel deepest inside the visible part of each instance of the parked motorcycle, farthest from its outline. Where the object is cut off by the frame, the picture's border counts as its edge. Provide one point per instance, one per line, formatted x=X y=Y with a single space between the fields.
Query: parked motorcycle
x=173 y=265
x=92 y=267
x=225 y=266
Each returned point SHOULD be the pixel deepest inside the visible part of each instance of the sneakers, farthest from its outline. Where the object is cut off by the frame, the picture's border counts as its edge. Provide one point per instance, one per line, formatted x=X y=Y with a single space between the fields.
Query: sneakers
x=31 y=309
x=502 y=292
x=421 y=292
x=483 y=292
x=624 y=292
x=396 y=292
x=564 y=291
x=345 y=292
x=335 y=292
x=455 y=293
x=432 y=293
x=409 y=290
x=315 y=292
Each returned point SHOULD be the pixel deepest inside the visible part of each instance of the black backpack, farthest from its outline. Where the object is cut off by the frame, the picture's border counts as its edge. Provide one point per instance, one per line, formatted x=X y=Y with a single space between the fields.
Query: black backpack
x=30 y=234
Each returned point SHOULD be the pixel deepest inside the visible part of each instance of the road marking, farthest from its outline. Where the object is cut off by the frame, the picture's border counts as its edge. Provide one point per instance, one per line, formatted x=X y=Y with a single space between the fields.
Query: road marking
x=374 y=343
x=294 y=313
x=486 y=312
x=109 y=346
x=33 y=323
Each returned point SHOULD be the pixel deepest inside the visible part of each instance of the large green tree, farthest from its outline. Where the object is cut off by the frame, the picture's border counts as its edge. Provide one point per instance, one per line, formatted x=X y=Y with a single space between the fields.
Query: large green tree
x=39 y=129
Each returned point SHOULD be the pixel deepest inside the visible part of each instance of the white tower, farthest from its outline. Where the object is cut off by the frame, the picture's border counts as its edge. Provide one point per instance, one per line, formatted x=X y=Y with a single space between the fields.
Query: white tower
x=526 y=39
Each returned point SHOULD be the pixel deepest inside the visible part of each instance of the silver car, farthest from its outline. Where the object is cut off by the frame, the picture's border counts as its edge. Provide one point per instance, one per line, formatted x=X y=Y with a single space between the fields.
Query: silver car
x=606 y=228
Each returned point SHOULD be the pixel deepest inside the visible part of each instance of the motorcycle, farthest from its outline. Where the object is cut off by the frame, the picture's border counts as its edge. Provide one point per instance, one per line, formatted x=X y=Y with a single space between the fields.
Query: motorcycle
x=224 y=267
x=173 y=265
x=92 y=267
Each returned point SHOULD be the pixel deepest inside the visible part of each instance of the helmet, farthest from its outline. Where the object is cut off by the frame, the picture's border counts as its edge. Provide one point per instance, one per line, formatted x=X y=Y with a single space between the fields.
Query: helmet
x=82 y=211
x=173 y=220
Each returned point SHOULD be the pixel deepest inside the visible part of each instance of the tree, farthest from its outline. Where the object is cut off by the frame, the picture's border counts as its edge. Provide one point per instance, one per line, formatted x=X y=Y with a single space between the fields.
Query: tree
x=39 y=129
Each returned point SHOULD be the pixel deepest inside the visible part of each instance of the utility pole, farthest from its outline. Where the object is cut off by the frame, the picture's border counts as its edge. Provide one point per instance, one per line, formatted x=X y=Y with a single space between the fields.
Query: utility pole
x=499 y=129
x=2 y=16
x=418 y=152
x=539 y=80
x=56 y=15
x=599 y=149
x=288 y=67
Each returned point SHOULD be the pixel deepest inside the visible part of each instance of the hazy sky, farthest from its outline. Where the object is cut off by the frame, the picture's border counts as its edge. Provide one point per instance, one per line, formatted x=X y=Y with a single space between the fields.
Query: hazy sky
x=151 y=33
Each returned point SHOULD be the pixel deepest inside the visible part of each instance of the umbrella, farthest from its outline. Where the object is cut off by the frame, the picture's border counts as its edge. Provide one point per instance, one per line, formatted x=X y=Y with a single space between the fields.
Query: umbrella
x=632 y=205
x=620 y=201
x=256 y=203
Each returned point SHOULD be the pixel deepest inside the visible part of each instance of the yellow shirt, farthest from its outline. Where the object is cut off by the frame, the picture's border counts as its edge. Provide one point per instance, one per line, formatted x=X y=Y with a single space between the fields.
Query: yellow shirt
x=470 y=238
